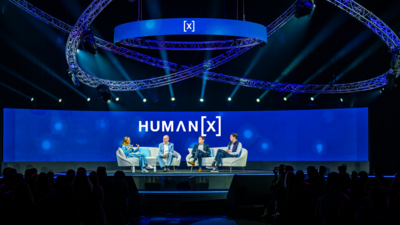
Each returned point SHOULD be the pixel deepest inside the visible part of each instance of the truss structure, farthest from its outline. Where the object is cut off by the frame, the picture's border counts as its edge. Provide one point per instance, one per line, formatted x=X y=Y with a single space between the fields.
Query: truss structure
x=191 y=45
x=184 y=72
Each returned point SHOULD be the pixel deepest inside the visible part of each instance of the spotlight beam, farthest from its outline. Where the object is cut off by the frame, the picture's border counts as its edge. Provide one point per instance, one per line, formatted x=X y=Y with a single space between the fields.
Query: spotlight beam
x=11 y=72
x=14 y=90
x=33 y=59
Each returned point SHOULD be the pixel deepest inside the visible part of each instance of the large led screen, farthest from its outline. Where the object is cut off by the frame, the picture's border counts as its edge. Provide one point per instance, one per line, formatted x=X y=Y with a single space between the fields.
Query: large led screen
x=298 y=135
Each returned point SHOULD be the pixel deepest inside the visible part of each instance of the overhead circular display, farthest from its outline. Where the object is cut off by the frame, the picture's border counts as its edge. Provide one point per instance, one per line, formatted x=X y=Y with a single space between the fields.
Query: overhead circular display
x=135 y=33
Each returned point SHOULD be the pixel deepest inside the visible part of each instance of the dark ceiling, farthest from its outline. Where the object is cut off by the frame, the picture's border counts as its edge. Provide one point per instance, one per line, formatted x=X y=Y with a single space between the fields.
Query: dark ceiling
x=330 y=41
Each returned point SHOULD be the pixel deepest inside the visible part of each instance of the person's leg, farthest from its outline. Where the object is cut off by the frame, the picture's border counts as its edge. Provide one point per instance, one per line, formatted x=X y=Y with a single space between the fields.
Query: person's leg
x=222 y=155
x=170 y=157
x=196 y=156
x=200 y=159
x=216 y=157
x=160 y=161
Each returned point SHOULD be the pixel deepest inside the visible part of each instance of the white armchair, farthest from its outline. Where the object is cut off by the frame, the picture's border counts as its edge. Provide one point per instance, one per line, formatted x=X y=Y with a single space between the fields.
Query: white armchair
x=152 y=160
x=226 y=162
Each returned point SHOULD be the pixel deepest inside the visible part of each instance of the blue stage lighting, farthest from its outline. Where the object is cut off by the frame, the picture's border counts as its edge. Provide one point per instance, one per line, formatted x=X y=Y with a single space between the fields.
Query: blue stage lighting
x=144 y=100
x=172 y=99
x=312 y=98
x=304 y=8
x=117 y=99
x=201 y=100
x=258 y=100
x=229 y=99
x=88 y=99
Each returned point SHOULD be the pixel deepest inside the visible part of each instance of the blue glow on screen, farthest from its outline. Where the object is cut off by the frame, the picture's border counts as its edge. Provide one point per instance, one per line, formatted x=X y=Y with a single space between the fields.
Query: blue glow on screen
x=71 y=136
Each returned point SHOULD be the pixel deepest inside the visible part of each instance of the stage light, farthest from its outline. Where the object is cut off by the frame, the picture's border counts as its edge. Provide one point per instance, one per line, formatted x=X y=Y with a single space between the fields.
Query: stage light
x=109 y=101
x=60 y=100
x=229 y=99
x=32 y=99
x=201 y=100
x=304 y=8
x=117 y=99
x=88 y=99
x=88 y=43
x=77 y=51
x=380 y=91
x=341 y=99
x=144 y=100
x=312 y=98
x=103 y=92
x=75 y=81
x=60 y=38
x=172 y=99
x=284 y=99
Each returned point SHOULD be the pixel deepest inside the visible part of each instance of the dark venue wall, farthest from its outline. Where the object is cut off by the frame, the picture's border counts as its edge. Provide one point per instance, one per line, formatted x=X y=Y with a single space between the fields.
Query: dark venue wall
x=32 y=63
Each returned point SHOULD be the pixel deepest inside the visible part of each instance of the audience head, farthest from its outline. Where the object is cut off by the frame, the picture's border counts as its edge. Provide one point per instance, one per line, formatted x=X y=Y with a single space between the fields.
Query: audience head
x=22 y=194
x=101 y=172
x=28 y=173
x=5 y=171
x=81 y=169
x=81 y=184
x=333 y=182
x=289 y=168
x=311 y=171
x=292 y=183
x=363 y=176
x=51 y=176
x=93 y=179
x=300 y=175
x=282 y=169
x=354 y=175
x=11 y=172
x=70 y=175
x=370 y=184
x=377 y=198
x=34 y=171
x=378 y=171
x=16 y=178
x=322 y=170
x=119 y=175
x=342 y=169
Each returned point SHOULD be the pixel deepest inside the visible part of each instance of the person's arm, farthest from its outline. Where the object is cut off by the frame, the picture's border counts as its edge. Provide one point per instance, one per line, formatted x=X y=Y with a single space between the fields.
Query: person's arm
x=172 y=149
x=207 y=149
x=195 y=147
x=137 y=148
x=160 y=152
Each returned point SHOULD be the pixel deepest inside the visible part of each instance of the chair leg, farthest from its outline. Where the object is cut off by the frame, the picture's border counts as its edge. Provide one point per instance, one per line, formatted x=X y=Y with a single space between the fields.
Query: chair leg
x=243 y=169
x=231 y=169
x=174 y=168
x=191 y=169
x=224 y=168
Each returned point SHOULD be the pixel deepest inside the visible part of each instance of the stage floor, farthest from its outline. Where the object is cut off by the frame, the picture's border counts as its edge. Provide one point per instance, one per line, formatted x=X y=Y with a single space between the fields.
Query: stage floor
x=186 y=173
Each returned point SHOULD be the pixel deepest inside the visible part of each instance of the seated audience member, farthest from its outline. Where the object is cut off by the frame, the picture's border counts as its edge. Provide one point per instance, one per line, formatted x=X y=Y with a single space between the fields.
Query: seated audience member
x=9 y=184
x=70 y=176
x=377 y=212
x=51 y=178
x=378 y=172
x=42 y=185
x=394 y=191
x=328 y=205
x=109 y=194
x=300 y=175
x=233 y=150
x=61 y=204
x=97 y=189
x=363 y=177
x=81 y=169
x=6 y=198
x=321 y=174
x=315 y=184
x=342 y=169
x=121 y=188
x=89 y=207
x=5 y=175
x=199 y=151
x=298 y=207
x=370 y=184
